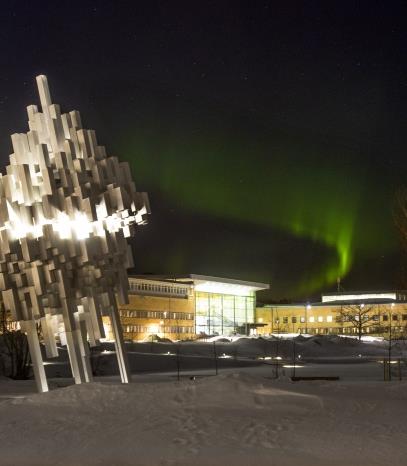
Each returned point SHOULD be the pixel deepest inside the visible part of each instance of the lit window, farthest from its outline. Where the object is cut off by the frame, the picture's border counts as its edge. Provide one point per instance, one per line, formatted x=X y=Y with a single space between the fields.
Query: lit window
x=329 y=318
x=311 y=319
x=320 y=319
x=302 y=319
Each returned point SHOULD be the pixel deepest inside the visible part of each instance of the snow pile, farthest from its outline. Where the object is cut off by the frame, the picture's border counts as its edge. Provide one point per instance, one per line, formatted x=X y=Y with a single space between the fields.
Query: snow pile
x=159 y=357
x=243 y=351
x=235 y=418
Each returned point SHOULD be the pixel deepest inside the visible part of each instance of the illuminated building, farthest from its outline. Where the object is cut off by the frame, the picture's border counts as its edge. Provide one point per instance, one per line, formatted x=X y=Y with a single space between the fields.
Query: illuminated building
x=184 y=307
x=385 y=312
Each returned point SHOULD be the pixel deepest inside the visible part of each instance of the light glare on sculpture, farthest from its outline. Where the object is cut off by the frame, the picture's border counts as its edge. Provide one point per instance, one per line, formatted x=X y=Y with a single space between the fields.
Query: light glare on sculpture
x=78 y=226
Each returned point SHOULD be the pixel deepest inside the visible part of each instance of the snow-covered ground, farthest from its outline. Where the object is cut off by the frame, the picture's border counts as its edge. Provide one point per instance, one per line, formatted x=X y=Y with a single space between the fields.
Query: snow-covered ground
x=243 y=416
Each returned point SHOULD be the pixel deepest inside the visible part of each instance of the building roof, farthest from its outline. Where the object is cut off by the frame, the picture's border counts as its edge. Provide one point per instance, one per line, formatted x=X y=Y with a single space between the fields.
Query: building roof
x=352 y=298
x=364 y=296
x=211 y=284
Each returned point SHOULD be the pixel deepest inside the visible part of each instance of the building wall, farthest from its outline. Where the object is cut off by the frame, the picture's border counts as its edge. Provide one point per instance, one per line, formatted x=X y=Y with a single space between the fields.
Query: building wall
x=177 y=311
x=164 y=310
x=323 y=319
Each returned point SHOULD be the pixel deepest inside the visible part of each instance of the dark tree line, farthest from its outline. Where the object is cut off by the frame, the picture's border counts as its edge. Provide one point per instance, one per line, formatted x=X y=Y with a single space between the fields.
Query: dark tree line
x=15 y=353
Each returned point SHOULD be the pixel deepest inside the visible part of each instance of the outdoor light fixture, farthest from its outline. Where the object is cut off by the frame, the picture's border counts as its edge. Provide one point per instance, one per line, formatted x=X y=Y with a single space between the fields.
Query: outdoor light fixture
x=223 y=288
x=66 y=209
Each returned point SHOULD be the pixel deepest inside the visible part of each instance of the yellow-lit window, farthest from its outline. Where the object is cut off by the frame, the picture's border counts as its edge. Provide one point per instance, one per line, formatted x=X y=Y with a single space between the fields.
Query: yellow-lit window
x=329 y=318
x=311 y=319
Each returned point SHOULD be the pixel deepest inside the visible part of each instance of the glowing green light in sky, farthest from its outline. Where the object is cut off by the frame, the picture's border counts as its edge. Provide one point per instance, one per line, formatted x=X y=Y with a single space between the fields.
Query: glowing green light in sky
x=306 y=190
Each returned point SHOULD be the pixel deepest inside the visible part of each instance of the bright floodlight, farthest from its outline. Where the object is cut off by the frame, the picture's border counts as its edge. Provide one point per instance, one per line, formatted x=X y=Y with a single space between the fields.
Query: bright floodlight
x=66 y=208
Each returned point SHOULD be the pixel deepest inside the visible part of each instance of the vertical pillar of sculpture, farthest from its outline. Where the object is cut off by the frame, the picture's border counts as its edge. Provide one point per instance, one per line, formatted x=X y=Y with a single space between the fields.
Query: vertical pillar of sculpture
x=30 y=329
x=119 y=345
x=48 y=335
x=75 y=356
x=84 y=348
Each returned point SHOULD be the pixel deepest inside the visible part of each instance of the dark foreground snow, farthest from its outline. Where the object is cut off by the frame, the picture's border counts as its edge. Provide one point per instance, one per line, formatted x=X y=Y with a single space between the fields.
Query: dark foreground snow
x=244 y=416
x=237 y=418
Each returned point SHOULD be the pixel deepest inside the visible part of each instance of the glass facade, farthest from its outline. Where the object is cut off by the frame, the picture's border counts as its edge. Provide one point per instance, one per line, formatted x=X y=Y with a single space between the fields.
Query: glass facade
x=223 y=314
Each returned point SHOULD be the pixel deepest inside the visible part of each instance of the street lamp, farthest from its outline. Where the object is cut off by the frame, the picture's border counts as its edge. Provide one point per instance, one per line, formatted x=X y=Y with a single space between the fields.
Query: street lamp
x=165 y=316
x=390 y=338
x=307 y=308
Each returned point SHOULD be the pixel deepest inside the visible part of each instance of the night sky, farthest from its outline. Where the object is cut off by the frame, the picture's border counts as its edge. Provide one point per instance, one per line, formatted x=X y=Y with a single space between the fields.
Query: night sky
x=271 y=136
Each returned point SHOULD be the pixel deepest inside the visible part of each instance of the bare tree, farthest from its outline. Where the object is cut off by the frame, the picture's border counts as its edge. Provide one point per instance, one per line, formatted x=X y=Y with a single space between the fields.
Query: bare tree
x=400 y=221
x=359 y=315
x=16 y=347
x=400 y=215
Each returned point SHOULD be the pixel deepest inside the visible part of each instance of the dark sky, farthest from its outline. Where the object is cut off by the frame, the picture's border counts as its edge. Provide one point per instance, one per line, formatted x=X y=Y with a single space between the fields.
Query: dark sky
x=270 y=135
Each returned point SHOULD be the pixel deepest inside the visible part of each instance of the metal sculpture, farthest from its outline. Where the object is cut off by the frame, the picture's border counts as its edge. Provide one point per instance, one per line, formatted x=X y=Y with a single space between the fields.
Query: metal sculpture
x=66 y=209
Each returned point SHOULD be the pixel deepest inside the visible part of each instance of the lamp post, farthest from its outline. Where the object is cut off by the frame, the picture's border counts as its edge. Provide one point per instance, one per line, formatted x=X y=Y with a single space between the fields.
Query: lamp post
x=165 y=316
x=271 y=320
x=307 y=308
x=390 y=337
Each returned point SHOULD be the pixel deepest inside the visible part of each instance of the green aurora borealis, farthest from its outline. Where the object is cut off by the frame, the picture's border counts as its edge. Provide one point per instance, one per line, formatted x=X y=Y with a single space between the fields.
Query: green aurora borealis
x=308 y=190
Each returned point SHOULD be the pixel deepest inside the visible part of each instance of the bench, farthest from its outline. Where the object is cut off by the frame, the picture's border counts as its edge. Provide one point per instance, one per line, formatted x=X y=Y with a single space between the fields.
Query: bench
x=297 y=379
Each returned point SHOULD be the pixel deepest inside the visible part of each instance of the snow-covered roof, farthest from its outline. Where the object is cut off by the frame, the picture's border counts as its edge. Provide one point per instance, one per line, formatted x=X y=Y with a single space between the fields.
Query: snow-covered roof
x=364 y=296
x=212 y=284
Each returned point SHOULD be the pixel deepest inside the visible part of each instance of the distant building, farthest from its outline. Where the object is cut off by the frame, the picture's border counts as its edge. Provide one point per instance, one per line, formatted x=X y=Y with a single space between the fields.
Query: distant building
x=385 y=312
x=187 y=306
